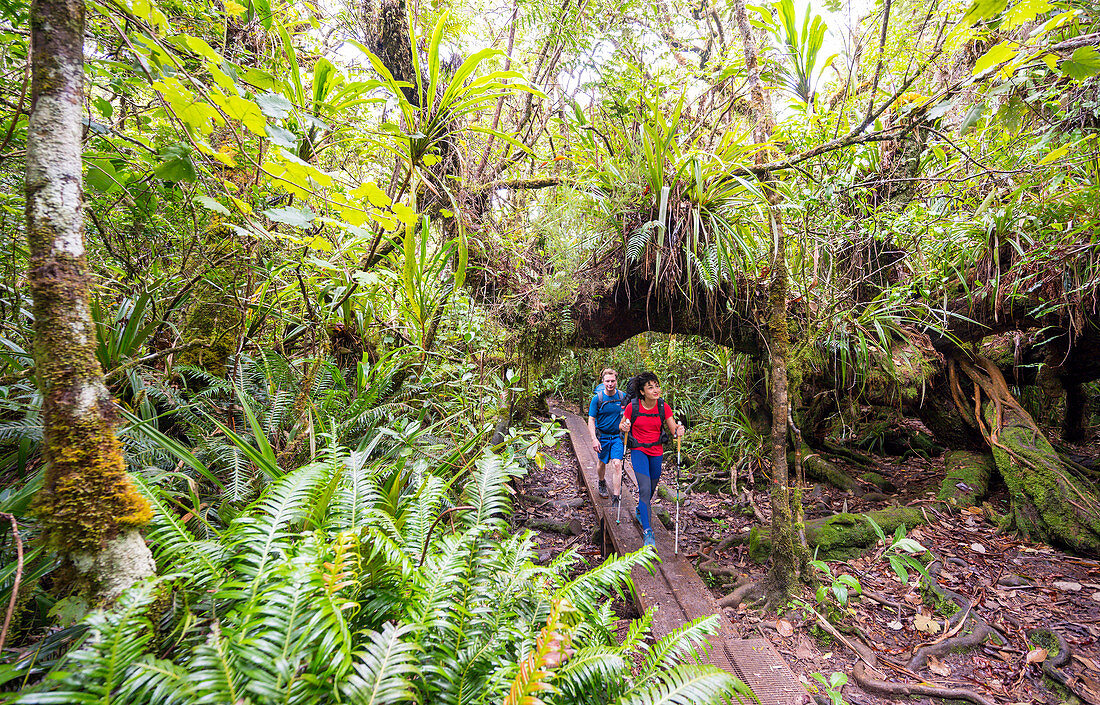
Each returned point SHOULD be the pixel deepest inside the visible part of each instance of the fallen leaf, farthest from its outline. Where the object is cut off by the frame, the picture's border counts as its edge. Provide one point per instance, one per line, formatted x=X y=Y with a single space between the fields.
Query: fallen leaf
x=977 y=548
x=895 y=625
x=803 y=651
x=784 y=627
x=1036 y=655
x=1067 y=585
x=926 y=624
x=938 y=667
x=1086 y=662
x=913 y=598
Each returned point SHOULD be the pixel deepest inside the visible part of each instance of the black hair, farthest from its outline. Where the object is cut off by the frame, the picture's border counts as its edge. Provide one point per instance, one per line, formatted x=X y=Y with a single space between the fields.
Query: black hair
x=641 y=380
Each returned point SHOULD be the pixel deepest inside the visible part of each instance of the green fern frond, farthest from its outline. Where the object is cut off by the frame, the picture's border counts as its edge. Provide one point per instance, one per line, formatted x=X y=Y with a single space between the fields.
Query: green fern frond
x=487 y=491
x=175 y=547
x=592 y=670
x=679 y=645
x=116 y=640
x=687 y=685
x=587 y=590
x=261 y=534
x=386 y=668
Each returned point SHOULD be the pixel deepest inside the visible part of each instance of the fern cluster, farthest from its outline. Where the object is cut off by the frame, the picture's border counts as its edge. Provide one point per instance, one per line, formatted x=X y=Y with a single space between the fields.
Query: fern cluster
x=345 y=581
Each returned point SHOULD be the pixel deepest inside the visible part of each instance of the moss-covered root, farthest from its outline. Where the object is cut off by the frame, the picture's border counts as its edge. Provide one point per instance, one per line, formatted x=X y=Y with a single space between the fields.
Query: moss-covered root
x=841 y=535
x=820 y=469
x=967 y=478
x=1048 y=503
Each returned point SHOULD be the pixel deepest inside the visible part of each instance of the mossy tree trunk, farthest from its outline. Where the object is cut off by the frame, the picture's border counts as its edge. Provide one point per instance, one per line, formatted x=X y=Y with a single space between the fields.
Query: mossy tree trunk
x=788 y=553
x=1048 y=502
x=88 y=508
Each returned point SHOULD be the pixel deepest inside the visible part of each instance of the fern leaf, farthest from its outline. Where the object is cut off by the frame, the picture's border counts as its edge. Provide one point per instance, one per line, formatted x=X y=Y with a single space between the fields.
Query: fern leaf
x=386 y=668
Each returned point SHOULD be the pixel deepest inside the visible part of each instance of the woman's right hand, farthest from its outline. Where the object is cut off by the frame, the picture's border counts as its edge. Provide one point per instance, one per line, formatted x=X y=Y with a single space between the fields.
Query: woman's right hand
x=624 y=425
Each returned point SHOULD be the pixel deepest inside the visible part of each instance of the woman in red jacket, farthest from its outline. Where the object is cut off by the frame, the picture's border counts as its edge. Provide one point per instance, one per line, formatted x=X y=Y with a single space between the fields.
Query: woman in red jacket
x=642 y=420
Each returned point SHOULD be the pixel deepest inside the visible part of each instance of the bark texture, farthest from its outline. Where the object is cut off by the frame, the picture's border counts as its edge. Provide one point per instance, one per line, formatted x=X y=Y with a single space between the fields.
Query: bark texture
x=786 y=555
x=87 y=501
x=1049 y=503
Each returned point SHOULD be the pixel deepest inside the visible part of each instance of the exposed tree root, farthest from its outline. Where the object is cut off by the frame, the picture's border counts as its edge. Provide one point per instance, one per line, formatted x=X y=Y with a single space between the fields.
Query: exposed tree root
x=898 y=691
x=742 y=593
x=711 y=566
x=1049 y=501
x=1052 y=666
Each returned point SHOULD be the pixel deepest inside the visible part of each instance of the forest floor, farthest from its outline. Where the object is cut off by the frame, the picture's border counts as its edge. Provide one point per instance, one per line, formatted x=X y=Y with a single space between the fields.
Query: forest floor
x=1014 y=585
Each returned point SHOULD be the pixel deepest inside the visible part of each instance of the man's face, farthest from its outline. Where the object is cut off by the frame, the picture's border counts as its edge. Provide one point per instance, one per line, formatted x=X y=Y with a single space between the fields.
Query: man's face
x=609 y=382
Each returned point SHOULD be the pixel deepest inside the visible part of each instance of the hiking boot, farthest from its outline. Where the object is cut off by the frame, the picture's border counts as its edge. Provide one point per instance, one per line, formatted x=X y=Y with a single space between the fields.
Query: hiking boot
x=601 y=487
x=648 y=539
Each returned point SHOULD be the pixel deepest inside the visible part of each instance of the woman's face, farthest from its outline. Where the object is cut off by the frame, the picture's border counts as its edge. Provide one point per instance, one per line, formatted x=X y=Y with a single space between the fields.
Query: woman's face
x=651 y=390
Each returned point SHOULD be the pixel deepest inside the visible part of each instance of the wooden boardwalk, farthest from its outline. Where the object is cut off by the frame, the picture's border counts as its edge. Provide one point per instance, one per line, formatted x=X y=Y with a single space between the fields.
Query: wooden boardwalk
x=677 y=591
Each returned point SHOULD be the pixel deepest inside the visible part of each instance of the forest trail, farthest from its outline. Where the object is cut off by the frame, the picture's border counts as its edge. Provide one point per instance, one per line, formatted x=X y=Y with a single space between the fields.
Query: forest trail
x=676 y=589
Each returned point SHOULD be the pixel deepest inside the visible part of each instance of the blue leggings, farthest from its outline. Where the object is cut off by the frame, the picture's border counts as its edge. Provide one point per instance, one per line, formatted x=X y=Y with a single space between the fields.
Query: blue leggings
x=647 y=468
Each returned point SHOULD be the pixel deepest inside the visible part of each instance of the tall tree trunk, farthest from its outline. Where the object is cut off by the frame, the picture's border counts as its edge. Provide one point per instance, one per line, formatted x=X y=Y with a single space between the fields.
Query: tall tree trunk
x=788 y=554
x=88 y=508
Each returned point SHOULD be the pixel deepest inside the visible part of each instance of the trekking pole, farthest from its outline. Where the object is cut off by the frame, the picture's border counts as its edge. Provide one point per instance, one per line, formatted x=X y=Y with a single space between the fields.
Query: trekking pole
x=622 y=478
x=676 y=541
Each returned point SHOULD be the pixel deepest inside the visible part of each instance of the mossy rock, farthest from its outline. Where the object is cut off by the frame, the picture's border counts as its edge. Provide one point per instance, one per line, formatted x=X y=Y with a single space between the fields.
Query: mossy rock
x=967 y=479
x=841 y=536
x=881 y=482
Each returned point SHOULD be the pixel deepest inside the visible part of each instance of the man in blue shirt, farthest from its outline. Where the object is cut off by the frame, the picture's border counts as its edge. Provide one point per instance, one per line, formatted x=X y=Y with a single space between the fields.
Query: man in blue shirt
x=605 y=411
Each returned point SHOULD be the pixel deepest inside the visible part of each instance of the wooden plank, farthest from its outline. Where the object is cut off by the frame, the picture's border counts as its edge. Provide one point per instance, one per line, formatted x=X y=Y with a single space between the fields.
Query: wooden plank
x=676 y=589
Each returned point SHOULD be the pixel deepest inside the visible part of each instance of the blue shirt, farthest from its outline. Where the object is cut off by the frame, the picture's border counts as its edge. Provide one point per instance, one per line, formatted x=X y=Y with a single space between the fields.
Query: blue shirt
x=608 y=414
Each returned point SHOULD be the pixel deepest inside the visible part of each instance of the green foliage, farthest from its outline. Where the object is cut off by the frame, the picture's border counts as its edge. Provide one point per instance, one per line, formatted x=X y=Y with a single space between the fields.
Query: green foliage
x=833 y=686
x=902 y=552
x=840 y=586
x=281 y=608
x=799 y=72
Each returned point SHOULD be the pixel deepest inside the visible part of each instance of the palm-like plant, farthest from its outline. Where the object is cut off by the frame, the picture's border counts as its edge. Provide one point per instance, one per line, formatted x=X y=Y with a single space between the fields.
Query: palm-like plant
x=799 y=70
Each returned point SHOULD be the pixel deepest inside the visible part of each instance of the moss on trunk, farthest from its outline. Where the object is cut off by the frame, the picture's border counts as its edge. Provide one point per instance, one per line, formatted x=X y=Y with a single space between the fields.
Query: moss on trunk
x=967 y=479
x=1048 y=502
x=87 y=501
x=215 y=318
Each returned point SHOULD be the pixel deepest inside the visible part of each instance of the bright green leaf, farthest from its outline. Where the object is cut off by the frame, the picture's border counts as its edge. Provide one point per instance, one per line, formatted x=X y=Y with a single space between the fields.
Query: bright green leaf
x=176 y=164
x=997 y=54
x=281 y=137
x=246 y=111
x=211 y=204
x=1085 y=63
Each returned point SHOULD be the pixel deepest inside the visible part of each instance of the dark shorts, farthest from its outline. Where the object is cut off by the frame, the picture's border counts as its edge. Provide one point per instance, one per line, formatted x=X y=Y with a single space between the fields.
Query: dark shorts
x=611 y=448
